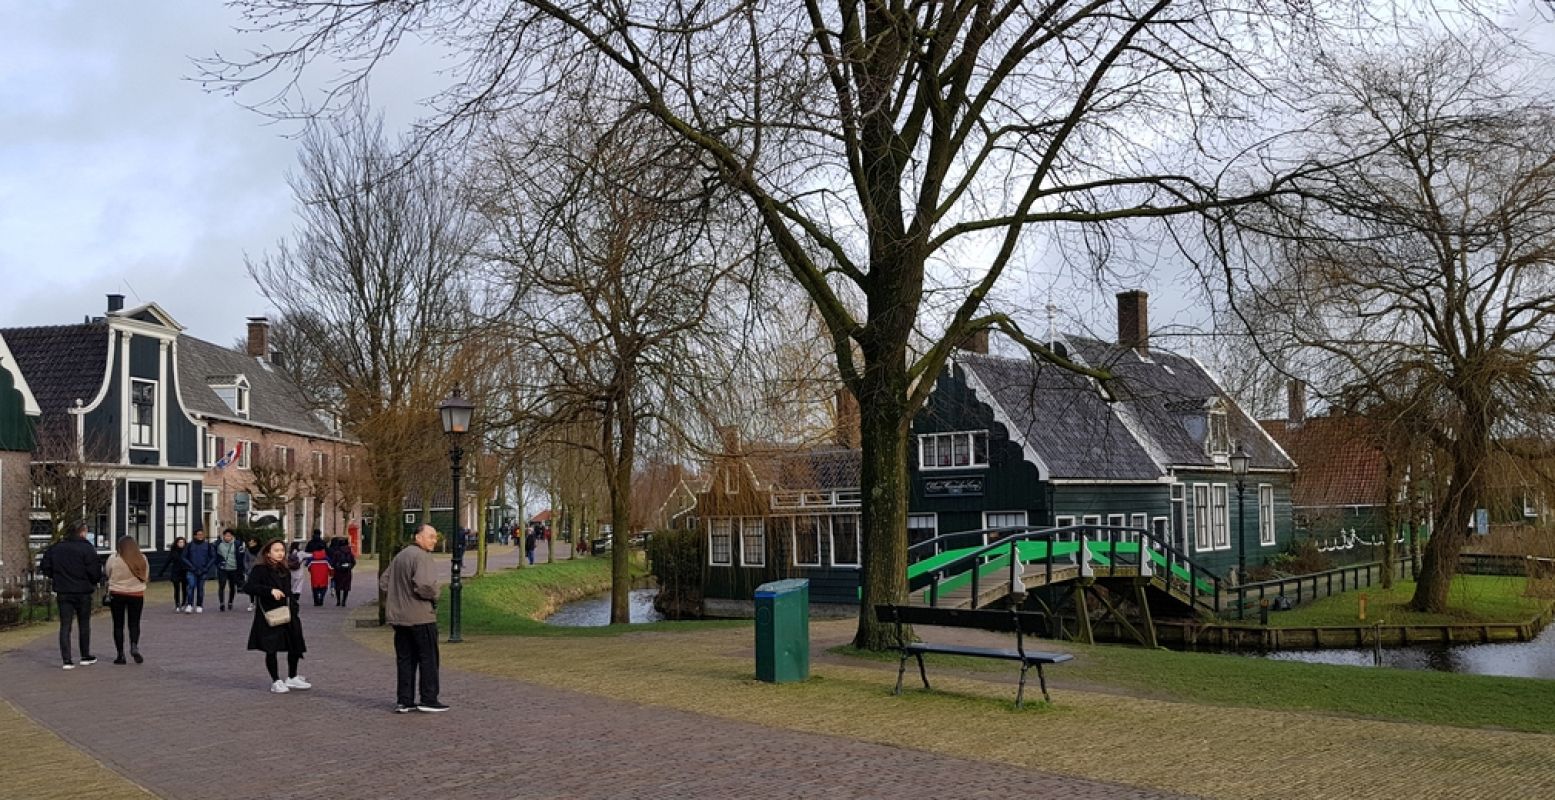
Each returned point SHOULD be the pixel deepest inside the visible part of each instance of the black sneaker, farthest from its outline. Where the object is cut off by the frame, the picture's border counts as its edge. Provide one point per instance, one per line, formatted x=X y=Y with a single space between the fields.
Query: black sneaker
x=431 y=708
x=88 y=661
x=403 y=709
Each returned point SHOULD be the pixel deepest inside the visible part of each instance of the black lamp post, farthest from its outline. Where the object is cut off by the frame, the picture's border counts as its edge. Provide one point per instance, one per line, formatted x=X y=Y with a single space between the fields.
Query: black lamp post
x=1239 y=461
x=456 y=412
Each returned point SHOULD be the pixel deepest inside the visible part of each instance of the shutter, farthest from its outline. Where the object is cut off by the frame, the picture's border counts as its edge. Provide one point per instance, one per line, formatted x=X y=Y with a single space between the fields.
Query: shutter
x=221 y=449
x=291 y=459
x=324 y=464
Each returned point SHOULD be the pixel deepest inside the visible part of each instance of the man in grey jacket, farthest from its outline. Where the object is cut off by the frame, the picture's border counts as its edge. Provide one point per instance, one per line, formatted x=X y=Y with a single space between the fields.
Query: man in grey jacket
x=410 y=605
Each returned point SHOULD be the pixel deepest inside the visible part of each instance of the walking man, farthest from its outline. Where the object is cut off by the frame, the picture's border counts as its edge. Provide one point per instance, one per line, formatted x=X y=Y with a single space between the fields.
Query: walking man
x=73 y=565
x=230 y=557
x=410 y=588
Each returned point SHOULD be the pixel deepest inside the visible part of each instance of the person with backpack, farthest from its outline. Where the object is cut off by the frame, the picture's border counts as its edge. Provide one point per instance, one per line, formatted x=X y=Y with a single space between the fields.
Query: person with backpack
x=200 y=560
x=319 y=569
x=342 y=561
x=229 y=569
x=76 y=571
x=175 y=565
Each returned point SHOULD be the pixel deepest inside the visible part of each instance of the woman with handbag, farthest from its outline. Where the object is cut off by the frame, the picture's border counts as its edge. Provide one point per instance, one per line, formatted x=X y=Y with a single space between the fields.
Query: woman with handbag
x=127 y=573
x=276 y=626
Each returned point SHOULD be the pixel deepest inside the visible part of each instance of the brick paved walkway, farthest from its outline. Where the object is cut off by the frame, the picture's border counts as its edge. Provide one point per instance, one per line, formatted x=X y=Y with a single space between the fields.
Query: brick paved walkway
x=196 y=721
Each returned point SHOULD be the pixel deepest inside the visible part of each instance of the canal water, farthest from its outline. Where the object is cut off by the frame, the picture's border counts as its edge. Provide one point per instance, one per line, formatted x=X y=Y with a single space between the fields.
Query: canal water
x=592 y=611
x=1535 y=659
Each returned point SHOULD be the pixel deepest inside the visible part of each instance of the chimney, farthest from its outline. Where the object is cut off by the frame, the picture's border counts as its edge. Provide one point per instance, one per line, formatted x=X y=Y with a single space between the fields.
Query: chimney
x=1133 y=320
x=115 y=303
x=1296 y=413
x=847 y=420
x=729 y=437
x=259 y=337
x=975 y=342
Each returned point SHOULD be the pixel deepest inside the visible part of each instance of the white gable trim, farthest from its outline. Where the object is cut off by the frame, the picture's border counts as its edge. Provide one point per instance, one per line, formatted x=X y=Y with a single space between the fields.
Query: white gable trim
x=1003 y=418
x=8 y=363
x=1226 y=399
x=102 y=389
x=164 y=320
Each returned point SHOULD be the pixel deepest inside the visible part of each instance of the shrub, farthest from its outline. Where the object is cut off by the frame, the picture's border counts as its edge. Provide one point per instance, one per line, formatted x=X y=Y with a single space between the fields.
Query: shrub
x=675 y=559
x=1301 y=558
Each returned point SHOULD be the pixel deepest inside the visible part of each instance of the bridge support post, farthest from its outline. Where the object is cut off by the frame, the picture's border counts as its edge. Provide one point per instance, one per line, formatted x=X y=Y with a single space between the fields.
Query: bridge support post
x=1151 y=639
x=1082 y=615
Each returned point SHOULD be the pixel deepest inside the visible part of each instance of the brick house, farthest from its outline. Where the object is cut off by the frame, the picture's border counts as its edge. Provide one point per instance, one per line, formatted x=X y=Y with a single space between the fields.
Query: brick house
x=18 y=414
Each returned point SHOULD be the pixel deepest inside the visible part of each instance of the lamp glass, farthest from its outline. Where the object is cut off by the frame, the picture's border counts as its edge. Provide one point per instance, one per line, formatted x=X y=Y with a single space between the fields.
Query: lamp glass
x=456 y=412
x=1239 y=461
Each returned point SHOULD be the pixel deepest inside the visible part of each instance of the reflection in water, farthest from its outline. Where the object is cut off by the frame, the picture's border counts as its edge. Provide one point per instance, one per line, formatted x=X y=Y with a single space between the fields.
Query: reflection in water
x=595 y=610
x=1535 y=659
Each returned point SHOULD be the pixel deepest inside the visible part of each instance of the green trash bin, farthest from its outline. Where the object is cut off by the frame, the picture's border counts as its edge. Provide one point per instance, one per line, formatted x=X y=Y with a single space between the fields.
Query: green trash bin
x=783 y=631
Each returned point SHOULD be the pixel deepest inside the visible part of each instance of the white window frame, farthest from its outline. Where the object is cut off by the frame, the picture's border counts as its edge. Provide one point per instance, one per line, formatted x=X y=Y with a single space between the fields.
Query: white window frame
x=211 y=456
x=245 y=453
x=819 y=522
x=952 y=437
x=151 y=511
x=242 y=401
x=1064 y=521
x=1117 y=520
x=150 y=442
x=171 y=527
x=1090 y=519
x=1141 y=521
x=858 y=540
x=727 y=534
x=1162 y=528
x=1220 y=516
x=1266 y=536
x=1203 y=541
x=210 y=501
x=318 y=463
x=747 y=524
x=989 y=515
x=1217 y=447
x=932 y=527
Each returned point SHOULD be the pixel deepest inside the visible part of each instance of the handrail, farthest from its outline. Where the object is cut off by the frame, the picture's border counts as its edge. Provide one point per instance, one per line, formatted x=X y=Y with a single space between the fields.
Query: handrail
x=1014 y=535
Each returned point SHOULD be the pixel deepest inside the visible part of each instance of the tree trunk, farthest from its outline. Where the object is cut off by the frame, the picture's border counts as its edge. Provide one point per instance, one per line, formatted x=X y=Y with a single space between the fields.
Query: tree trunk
x=1390 y=522
x=883 y=429
x=1469 y=455
x=386 y=542
x=621 y=511
x=482 y=500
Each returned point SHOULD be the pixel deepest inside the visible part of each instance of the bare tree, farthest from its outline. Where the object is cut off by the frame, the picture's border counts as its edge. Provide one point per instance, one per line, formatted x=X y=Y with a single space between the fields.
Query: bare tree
x=889 y=150
x=1417 y=281
x=72 y=481
x=375 y=282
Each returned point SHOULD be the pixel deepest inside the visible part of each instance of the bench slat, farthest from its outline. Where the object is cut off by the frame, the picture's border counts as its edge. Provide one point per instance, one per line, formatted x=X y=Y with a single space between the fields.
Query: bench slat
x=988 y=652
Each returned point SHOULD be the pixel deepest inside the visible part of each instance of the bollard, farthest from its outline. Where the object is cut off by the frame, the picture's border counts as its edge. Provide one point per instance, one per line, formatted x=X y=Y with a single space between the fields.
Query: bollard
x=1363 y=606
x=1263 y=612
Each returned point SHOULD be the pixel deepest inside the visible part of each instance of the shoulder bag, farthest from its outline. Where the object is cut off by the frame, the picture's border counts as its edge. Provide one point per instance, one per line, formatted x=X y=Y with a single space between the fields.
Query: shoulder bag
x=280 y=615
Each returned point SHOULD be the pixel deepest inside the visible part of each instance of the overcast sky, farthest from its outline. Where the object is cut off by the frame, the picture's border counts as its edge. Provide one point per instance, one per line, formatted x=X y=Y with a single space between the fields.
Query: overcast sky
x=117 y=174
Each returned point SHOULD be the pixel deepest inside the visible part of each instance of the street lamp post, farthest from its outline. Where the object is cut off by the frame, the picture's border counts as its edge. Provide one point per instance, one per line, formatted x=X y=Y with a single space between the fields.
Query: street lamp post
x=456 y=412
x=1239 y=461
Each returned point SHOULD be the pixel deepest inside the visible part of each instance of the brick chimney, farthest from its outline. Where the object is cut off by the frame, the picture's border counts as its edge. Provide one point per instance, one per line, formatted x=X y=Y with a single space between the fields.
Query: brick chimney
x=847 y=420
x=1133 y=320
x=1296 y=394
x=975 y=342
x=115 y=303
x=259 y=337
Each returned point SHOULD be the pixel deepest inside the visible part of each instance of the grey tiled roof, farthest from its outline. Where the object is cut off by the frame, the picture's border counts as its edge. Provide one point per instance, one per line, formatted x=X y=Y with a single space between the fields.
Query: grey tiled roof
x=61 y=362
x=822 y=469
x=1155 y=421
x=273 y=399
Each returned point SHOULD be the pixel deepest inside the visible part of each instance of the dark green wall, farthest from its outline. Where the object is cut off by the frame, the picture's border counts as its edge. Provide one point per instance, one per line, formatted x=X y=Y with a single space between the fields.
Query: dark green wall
x=16 y=428
x=1220 y=561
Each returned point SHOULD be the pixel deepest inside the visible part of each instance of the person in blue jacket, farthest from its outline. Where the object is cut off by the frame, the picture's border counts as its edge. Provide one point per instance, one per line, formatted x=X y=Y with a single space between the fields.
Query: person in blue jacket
x=200 y=559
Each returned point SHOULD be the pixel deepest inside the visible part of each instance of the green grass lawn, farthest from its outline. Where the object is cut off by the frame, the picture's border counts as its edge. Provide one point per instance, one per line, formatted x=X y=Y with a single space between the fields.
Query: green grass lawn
x=510 y=602
x=1473 y=599
x=1441 y=698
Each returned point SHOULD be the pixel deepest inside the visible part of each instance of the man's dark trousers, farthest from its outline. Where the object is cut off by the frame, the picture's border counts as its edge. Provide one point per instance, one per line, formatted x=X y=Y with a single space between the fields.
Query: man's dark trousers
x=415 y=648
x=75 y=607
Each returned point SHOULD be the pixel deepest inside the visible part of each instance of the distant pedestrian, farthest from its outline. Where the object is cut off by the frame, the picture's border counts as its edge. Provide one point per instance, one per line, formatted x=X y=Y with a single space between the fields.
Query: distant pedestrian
x=229 y=568
x=127 y=573
x=342 y=561
x=319 y=570
x=73 y=565
x=530 y=540
x=410 y=589
x=297 y=563
x=175 y=570
x=250 y=558
x=277 y=625
x=200 y=560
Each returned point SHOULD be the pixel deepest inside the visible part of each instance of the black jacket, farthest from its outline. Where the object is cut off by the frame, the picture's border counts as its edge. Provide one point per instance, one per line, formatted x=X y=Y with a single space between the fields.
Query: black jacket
x=261 y=636
x=73 y=565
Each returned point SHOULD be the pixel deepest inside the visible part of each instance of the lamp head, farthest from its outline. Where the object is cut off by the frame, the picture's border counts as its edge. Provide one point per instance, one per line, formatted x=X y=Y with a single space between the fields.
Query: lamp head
x=456 y=412
x=1239 y=460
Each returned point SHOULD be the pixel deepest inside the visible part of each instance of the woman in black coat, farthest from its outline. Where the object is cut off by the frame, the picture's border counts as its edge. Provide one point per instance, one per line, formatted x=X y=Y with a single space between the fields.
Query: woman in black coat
x=270 y=584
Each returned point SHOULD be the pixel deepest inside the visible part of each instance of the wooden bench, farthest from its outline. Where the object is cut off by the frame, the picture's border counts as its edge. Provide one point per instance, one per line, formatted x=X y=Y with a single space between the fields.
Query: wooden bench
x=1010 y=621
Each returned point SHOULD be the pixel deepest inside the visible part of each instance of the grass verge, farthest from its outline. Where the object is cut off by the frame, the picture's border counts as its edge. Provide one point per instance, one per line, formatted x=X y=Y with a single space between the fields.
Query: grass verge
x=1474 y=599
x=514 y=602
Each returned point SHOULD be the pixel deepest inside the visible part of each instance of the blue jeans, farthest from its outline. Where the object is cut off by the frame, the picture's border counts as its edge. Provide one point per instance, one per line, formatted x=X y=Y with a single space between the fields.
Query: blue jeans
x=194 y=590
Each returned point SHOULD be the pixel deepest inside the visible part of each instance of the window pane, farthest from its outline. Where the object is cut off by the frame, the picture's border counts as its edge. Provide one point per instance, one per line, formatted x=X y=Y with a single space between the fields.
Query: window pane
x=980 y=447
x=1220 y=517
x=921 y=528
x=753 y=542
x=720 y=547
x=963 y=448
x=807 y=541
x=926 y=454
x=1201 y=536
x=1266 y=515
x=1005 y=519
x=944 y=450
x=844 y=540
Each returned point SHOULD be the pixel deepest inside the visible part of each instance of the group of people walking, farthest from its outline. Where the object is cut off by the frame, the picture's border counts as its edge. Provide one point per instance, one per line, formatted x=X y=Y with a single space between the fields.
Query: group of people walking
x=273 y=578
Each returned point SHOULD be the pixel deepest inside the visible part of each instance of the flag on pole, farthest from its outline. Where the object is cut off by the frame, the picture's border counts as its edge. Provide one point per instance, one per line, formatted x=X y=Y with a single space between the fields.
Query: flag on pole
x=230 y=457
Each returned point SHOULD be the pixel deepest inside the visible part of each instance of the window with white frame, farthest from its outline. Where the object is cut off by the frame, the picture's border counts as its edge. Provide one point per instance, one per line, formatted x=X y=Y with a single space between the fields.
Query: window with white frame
x=1162 y=528
x=1004 y=519
x=807 y=540
x=209 y=502
x=1220 y=515
x=1201 y=526
x=143 y=413
x=245 y=453
x=318 y=464
x=1063 y=521
x=1090 y=519
x=845 y=540
x=1116 y=520
x=137 y=512
x=753 y=542
x=953 y=450
x=720 y=542
x=242 y=401
x=921 y=528
x=1217 y=440
x=175 y=520
x=1265 y=514
x=1138 y=521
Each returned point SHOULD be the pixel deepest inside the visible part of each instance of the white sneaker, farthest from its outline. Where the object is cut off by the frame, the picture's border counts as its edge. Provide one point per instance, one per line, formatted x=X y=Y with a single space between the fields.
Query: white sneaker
x=188 y=609
x=279 y=687
x=250 y=606
x=298 y=682
x=199 y=609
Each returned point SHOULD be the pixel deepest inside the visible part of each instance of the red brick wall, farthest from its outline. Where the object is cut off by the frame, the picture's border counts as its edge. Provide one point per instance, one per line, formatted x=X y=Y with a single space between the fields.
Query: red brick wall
x=331 y=518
